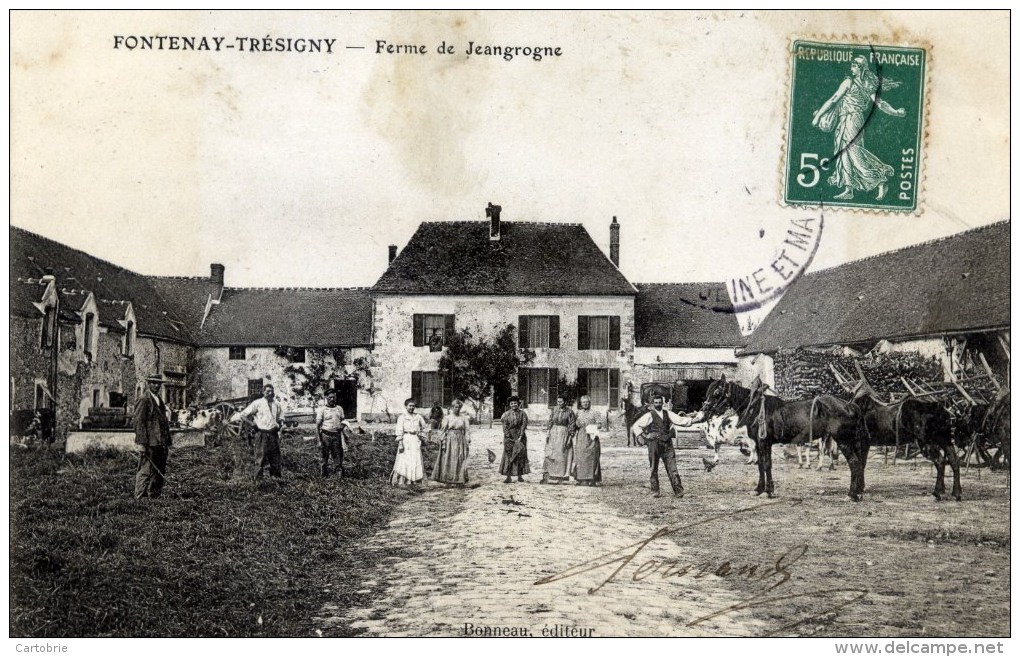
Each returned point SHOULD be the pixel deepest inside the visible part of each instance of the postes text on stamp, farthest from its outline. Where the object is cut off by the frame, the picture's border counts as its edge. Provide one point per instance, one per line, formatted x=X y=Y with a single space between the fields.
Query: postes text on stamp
x=855 y=128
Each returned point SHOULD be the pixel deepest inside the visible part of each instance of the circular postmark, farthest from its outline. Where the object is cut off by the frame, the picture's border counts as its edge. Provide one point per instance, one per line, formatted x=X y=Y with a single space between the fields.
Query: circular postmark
x=790 y=247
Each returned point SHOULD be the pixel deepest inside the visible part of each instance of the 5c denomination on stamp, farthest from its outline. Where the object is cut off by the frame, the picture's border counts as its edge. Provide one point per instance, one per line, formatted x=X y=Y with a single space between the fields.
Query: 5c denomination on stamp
x=854 y=136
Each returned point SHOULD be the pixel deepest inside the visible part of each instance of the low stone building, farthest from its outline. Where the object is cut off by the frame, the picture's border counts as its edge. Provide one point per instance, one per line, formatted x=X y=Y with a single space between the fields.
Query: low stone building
x=686 y=335
x=946 y=299
x=84 y=335
x=301 y=340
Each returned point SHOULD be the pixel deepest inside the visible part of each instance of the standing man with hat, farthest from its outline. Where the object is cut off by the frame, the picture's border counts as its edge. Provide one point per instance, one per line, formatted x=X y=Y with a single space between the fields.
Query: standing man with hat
x=329 y=425
x=656 y=429
x=268 y=417
x=152 y=432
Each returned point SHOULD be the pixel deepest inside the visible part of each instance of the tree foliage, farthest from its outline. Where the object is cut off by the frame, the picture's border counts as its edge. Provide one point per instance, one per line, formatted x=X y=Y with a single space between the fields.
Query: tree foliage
x=474 y=363
x=314 y=377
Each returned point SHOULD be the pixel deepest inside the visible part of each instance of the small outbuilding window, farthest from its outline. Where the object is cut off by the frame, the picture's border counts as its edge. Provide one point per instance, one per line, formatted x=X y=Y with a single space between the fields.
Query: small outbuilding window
x=237 y=353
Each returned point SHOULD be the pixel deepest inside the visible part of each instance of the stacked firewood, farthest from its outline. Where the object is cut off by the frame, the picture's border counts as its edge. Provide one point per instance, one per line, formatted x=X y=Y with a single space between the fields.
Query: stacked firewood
x=803 y=373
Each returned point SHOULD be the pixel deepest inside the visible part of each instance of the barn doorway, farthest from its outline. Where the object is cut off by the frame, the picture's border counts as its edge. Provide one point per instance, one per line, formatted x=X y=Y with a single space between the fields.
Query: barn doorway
x=347 y=396
x=696 y=391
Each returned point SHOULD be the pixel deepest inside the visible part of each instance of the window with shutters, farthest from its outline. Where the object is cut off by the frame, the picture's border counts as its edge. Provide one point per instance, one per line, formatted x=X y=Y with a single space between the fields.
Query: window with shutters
x=427 y=388
x=431 y=330
x=237 y=353
x=538 y=385
x=598 y=332
x=538 y=331
x=601 y=384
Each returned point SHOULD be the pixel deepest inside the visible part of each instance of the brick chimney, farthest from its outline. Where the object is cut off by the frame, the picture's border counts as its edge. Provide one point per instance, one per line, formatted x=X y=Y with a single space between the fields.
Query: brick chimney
x=216 y=272
x=614 y=242
x=492 y=212
x=393 y=252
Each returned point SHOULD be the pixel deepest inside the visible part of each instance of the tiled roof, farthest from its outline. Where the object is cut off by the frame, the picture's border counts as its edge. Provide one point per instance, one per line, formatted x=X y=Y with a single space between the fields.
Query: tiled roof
x=685 y=315
x=296 y=317
x=958 y=283
x=457 y=257
x=31 y=255
x=187 y=296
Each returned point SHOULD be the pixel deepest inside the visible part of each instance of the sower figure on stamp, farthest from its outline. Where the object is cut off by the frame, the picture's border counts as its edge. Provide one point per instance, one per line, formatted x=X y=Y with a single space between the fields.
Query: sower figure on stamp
x=152 y=432
x=329 y=426
x=845 y=115
x=656 y=429
x=268 y=417
x=515 y=442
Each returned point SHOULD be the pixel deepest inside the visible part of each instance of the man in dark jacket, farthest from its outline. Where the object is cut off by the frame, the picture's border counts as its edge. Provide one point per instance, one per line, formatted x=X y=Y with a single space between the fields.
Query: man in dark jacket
x=152 y=432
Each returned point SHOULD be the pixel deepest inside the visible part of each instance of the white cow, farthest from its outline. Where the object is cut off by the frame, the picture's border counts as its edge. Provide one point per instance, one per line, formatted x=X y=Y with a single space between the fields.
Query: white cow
x=723 y=430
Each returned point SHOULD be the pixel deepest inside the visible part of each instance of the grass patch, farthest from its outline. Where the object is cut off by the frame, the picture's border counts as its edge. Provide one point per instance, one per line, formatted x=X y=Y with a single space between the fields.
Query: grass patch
x=215 y=556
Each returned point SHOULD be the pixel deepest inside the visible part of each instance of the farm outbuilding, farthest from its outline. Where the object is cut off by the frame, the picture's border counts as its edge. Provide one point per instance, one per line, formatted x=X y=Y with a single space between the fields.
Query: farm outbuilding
x=943 y=305
x=685 y=334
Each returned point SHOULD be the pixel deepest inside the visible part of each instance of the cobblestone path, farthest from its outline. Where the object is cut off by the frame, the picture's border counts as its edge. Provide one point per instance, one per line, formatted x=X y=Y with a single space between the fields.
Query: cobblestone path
x=472 y=556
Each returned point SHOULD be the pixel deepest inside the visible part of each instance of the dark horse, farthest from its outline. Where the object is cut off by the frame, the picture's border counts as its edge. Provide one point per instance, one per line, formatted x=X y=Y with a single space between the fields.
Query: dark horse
x=927 y=423
x=770 y=420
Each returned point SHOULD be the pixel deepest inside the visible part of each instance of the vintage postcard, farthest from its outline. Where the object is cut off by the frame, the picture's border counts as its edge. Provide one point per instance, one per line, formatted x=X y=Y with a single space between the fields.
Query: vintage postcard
x=511 y=324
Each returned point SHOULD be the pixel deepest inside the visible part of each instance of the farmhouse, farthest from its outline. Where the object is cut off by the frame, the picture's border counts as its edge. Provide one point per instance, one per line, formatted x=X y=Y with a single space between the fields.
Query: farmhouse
x=947 y=300
x=569 y=303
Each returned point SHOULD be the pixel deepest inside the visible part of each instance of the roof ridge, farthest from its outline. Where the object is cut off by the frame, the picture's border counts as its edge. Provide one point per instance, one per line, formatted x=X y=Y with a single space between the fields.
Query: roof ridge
x=901 y=249
x=81 y=251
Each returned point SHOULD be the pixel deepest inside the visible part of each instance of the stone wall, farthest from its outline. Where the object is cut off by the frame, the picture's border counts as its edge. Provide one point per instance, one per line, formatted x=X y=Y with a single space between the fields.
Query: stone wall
x=396 y=356
x=222 y=378
x=29 y=362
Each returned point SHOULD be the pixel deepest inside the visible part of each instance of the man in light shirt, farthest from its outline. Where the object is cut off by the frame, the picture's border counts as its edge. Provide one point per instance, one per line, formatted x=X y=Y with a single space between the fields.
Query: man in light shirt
x=655 y=428
x=267 y=415
x=329 y=426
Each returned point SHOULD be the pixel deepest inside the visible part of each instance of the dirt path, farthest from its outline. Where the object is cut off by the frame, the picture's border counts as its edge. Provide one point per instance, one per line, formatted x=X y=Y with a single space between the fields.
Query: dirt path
x=458 y=557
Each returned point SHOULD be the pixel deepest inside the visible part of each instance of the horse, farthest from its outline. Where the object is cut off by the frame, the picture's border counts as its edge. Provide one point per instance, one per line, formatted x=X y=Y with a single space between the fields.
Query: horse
x=722 y=395
x=927 y=423
x=771 y=420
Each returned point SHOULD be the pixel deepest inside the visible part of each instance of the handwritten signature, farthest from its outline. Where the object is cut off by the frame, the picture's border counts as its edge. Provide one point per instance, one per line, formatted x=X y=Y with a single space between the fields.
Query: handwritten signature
x=772 y=576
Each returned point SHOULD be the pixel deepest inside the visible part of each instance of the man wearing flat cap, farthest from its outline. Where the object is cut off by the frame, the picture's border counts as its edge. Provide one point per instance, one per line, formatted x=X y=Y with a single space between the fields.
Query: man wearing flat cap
x=152 y=432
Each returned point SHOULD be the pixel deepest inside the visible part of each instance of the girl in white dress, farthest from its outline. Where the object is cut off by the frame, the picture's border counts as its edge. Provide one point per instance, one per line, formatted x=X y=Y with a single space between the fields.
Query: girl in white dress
x=408 y=468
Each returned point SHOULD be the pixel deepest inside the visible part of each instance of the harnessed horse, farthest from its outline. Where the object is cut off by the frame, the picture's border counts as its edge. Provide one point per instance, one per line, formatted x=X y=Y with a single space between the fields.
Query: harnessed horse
x=925 y=422
x=770 y=420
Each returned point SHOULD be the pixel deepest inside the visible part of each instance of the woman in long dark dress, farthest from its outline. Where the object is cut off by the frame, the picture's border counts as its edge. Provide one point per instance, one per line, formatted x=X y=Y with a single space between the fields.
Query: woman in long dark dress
x=515 y=443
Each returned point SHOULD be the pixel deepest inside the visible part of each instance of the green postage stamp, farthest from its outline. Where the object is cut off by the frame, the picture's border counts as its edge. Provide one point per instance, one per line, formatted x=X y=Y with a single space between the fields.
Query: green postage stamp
x=855 y=129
